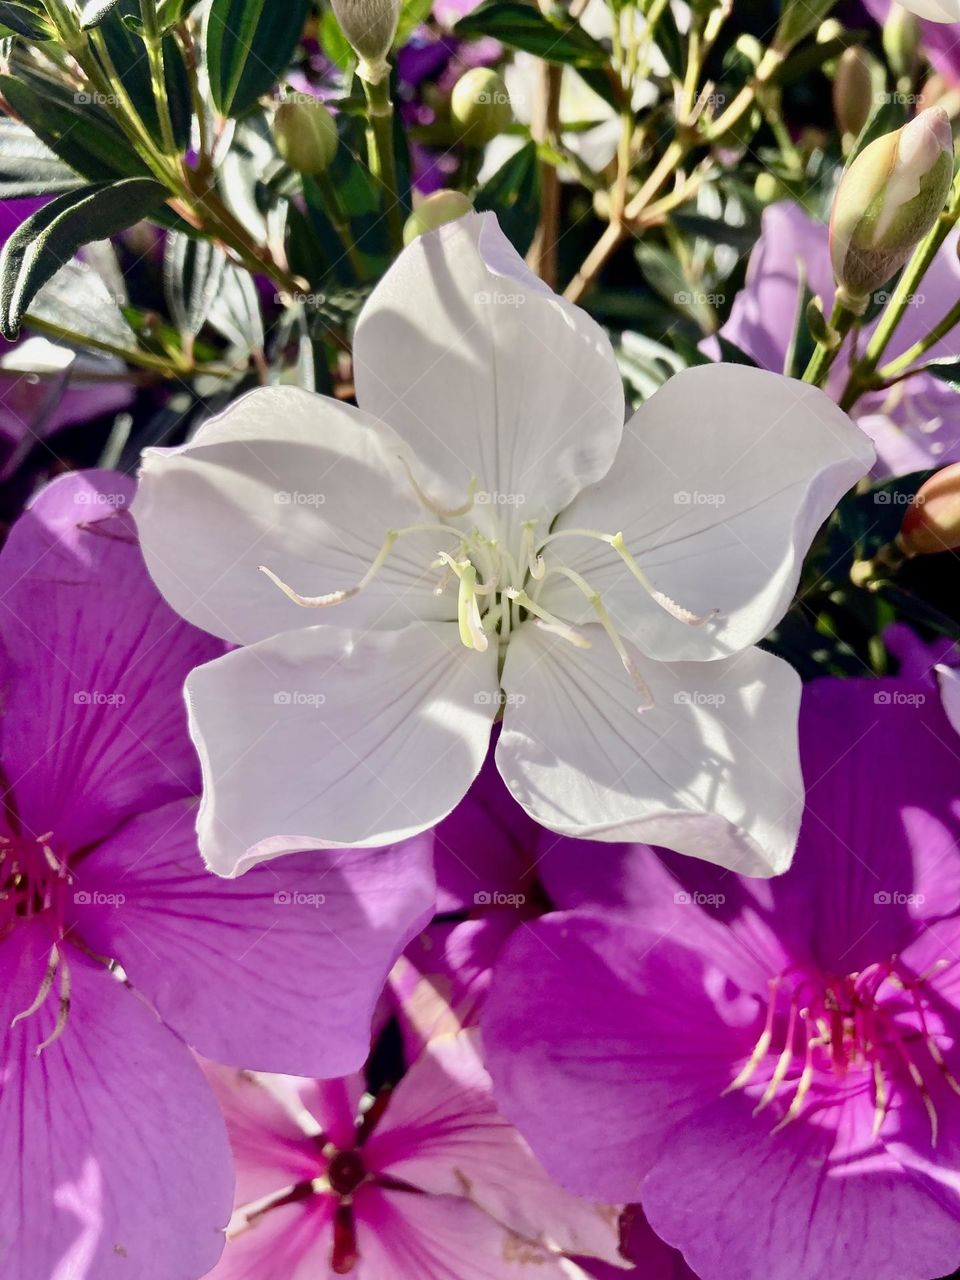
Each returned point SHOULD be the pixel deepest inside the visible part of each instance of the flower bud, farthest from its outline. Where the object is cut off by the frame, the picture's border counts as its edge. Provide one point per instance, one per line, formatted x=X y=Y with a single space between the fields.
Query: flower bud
x=888 y=199
x=901 y=41
x=932 y=522
x=438 y=208
x=370 y=27
x=853 y=91
x=480 y=106
x=306 y=135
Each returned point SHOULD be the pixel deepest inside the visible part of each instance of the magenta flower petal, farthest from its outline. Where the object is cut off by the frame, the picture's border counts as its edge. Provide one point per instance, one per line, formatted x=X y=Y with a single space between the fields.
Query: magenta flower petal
x=113 y=1157
x=278 y=970
x=745 y=1213
x=776 y=1115
x=94 y=727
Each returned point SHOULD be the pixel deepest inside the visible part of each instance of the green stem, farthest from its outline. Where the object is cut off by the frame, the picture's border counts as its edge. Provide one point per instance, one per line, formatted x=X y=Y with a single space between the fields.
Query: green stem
x=821 y=362
x=382 y=157
x=154 y=41
x=341 y=223
x=900 y=367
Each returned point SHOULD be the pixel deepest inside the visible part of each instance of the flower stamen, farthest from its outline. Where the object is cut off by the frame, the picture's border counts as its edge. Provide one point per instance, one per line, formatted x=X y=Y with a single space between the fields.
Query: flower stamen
x=338 y=597
x=548 y=620
x=603 y=617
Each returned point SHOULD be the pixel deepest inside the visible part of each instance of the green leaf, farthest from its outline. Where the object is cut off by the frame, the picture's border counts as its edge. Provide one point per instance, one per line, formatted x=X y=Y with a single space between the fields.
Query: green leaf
x=671 y=43
x=78 y=298
x=72 y=125
x=192 y=278
x=249 y=44
x=946 y=371
x=814 y=56
x=522 y=27
x=800 y=19
x=48 y=239
x=94 y=12
x=25 y=21
x=129 y=56
x=412 y=14
x=513 y=193
x=361 y=204
x=27 y=167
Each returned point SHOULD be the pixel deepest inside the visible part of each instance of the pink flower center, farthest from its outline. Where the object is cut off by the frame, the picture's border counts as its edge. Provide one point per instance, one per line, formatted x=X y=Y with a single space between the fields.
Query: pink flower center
x=34 y=883
x=876 y=1025
x=33 y=880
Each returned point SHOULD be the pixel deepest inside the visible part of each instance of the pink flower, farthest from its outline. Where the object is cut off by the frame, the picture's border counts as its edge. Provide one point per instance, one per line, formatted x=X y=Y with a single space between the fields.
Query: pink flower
x=429 y=1183
x=114 y=1163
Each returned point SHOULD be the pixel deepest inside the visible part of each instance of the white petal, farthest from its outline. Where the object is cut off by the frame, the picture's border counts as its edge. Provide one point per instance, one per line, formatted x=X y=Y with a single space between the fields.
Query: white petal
x=711 y=769
x=935 y=10
x=948 y=678
x=322 y=737
x=485 y=373
x=300 y=483
x=722 y=481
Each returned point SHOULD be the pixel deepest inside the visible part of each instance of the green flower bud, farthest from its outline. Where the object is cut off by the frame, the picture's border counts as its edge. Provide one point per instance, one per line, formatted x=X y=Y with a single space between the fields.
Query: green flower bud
x=901 y=41
x=370 y=27
x=854 y=94
x=932 y=522
x=306 y=134
x=888 y=199
x=438 y=208
x=480 y=106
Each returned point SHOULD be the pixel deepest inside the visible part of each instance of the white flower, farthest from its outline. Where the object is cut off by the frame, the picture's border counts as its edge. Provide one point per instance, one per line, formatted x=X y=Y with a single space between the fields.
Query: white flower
x=483 y=532
x=935 y=10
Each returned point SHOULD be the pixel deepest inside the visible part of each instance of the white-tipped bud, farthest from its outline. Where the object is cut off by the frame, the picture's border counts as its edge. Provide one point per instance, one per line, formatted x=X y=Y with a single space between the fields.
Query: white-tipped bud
x=306 y=134
x=440 y=207
x=370 y=27
x=888 y=199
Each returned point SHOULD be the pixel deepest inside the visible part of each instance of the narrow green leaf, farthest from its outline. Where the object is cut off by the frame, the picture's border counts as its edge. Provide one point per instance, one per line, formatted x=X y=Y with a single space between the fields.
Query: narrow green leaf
x=72 y=125
x=249 y=44
x=27 y=167
x=48 y=239
x=192 y=277
x=25 y=21
x=129 y=56
x=94 y=12
x=946 y=371
x=523 y=27
x=800 y=19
